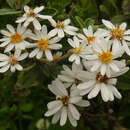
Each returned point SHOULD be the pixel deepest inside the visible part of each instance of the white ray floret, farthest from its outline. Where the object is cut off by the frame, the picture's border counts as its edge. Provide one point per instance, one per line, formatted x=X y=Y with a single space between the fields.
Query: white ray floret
x=75 y=75
x=80 y=50
x=104 y=58
x=64 y=105
x=61 y=28
x=97 y=83
x=44 y=44
x=12 y=61
x=89 y=37
x=119 y=35
x=31 y=16
x=14 y=38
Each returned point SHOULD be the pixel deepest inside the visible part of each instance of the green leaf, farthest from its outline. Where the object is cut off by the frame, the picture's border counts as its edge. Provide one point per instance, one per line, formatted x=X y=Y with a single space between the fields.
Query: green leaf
x=6 y=11
x=11 y=3
x=80 y=21
x=118 y=19
x=89 y=21
x=27 y=107
x=49 y=11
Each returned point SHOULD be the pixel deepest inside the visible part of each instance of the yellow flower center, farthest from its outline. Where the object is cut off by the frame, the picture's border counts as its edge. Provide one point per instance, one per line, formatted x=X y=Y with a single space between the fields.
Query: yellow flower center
x=16 y=38
x=101 y=79
x=13 y=60
x=76 y=50
x=117 y=33
x=105 y=57
x=65 y=100
x=31 y=13
x=90 y=39
x=43 y=44
x=60 y=25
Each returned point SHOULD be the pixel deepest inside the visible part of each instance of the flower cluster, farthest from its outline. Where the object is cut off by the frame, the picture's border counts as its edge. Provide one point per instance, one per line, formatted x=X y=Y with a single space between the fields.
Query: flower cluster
x=96 y=58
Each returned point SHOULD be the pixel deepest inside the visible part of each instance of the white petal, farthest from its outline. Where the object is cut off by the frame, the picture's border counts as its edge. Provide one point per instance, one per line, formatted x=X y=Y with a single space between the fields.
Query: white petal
x=6 y=33
x=74 y=112
x=54 y=104
x=23 y=56
x=3 y=57
x=86 y=85
x=71 y=42
x=4 y=69
x=127 y=38
x=33 y=53
x=12 y=68
x=4 y=43
x=108 y=24
x=10 y=28
x=123 y=26
x=9 y=47
x=36 y=24
x=127 y=32
x=63 y=118
x=96 y=66
x=53 y=32
x=104 y=92
x=38 y=9
x=103 y=69
x=56 y=117
x=48 y=55
x=94 y=91
x=39 y=54
x=66 y=22
x=60 y=33
x=126 y=48
x=114 y=67
x=3 y=63
x=19 y=67
x=116 y=92
x=53 y=111
x=71 y=119
x=75 y=99
x=83 y=103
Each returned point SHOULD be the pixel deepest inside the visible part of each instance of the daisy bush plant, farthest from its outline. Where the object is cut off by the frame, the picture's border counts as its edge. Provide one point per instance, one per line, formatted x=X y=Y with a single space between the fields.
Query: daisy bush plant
x=62 y=70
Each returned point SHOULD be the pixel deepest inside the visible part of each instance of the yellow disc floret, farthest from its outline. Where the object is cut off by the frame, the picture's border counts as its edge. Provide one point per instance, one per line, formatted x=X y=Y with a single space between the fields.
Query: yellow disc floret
x=90 y=39
x=117 y=33
x=13 y=60
x=43 y=43
x=60 y=25
x=16 y=38
x=105 y=57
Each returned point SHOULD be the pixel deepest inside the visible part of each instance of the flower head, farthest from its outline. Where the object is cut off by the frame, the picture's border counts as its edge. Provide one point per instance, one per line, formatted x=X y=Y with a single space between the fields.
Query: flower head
x=104 y=57
x=80 y=50
x=118 y=34
x=31 y=15
x=44 y=43
x=97 y=82
x=12 y=61
x=62 y=27
x=64 y=105
x=14 y=38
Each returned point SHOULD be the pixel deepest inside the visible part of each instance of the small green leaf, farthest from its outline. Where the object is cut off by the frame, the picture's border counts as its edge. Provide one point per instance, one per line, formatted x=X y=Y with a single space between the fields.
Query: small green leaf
x=11 y=3
x=49 y=11
x=80 y=21
x=27 y=107
x=6 y=11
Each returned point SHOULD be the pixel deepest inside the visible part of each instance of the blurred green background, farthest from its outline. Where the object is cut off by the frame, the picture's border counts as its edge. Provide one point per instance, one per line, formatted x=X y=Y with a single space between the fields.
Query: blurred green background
x=24 y=95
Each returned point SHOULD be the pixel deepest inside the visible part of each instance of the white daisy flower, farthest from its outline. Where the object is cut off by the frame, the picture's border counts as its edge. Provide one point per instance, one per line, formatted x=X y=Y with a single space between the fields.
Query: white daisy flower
x=14 y=38
x=61 y=28
x=118 y=34
x=97 y=82
x=89 y=36
x=103 y=58
x=31 y=15
x=12 y=61
x=80 y=50
x=64 y=105
x=44 y=43
x=75 y=75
